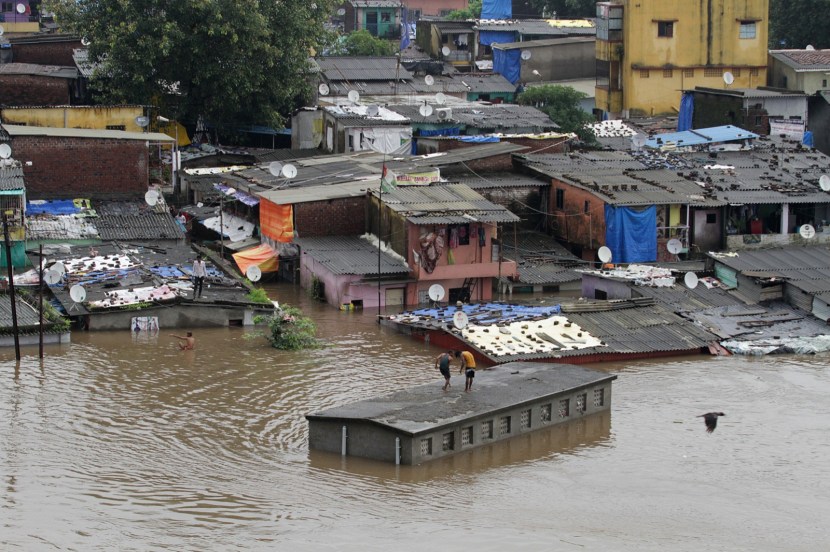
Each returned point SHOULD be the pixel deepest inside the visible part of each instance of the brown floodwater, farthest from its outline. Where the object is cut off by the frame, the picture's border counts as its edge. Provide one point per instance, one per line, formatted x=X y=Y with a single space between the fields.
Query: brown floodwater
x=122 y=443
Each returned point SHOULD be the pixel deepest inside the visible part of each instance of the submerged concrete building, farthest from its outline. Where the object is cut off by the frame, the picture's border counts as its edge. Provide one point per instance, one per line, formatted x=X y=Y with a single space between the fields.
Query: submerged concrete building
x=423 y=423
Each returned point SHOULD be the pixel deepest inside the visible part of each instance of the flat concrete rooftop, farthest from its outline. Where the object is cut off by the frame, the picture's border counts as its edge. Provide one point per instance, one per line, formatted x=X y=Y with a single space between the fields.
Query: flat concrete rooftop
x=427 y=407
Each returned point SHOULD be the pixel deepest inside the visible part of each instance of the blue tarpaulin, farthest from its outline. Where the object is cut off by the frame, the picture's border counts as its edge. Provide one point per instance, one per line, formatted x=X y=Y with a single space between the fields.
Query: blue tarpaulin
x=631 y=235
x=454 y=131
x=508 y=63
x=687 y=109
x=479 y=139
x=52 y=207
x=485 y=38
x=497 y=9
x=808 y=139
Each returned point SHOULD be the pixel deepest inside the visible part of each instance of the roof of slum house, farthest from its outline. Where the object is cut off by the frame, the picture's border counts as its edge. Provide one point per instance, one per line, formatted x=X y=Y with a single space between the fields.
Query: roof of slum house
x=682 y=299
x=541 y=259
x=375 y=3
x=462 y=155
x=496 y=181
x=482 y=83
x=54 y=71
x=803 y=60
x=758 y=322
x=451 y=25
x=358 y=116
x=496 y=118
x=542 y=43
x=791 y=263
x=27 y=315
x=135 y=221
x=701 y=136
x=350 y=255
x=361 y=68
x=25 y=130
x=551 y=27
x=752 y=93
x=445 y=204
x=11 y=177
x=615 y=134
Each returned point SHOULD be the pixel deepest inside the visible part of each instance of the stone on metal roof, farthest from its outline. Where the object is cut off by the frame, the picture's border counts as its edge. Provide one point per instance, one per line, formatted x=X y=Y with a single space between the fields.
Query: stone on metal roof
x=350 y=255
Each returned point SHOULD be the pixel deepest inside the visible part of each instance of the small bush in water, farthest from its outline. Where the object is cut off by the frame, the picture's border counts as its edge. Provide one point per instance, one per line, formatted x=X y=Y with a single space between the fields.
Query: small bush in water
x=289 y=329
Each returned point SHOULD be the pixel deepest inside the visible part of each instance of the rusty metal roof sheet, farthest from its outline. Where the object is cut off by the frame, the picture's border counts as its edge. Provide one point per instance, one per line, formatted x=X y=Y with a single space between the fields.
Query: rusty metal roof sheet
x=350 y=255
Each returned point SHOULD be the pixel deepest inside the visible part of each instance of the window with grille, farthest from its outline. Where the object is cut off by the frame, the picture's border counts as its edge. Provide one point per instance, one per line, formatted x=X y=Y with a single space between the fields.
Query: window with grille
x=524 y=419
x=736 y=72
x=560 y=198
x=448 y=441
x=754 y=72
x=643 y=73
x=504 y=425
x=116 y=127
x=599 y=397
x=564 y=408
x=466 y=436
x=747 y=29
x=668 y=73
x=426 y=446
x=581 y=402
x=544 y=413
x=689 y=73
x=487 y=429
x=712 y=72
x=665 y=29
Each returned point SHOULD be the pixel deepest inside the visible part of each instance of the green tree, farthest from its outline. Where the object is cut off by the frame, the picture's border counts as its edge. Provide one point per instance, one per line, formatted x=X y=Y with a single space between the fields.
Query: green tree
x=362 y=43
x=472 y=11
x=798 y=23
x=290 y=330
x=565 y=8
x=561 y=104
x=233 y=61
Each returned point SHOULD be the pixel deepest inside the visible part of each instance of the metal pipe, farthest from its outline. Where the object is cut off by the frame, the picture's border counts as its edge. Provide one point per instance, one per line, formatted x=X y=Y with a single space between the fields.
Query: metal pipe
x=397 y=451
x=343 y=442
x=40 y=304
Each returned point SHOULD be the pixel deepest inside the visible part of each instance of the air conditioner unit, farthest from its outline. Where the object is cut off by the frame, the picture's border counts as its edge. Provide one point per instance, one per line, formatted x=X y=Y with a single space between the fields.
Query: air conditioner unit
x=444 y=113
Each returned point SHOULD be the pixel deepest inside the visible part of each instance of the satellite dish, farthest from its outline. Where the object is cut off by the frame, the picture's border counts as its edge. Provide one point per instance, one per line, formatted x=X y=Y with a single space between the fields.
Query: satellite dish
x=809 y=47
x=807 y=231
x=77 y=293
x=728 y=78
x=151 y=197
x=275 y=168
x=440 y=98
x=52 y=277
x=445 y=50
x=142 y=121
x=526 y=54
x=59 y=268
x=639 y=140
x=823 y=181
x=425 y=110
x=85 y=41
x=323 y=89
x=2 y=30
x=460 y=320
x=253 y=273
x=690 y=279
x=436 y=292
x=354 y=96
x=372 y=110
x=535 y=72
x=429 y=80
x=5 y=151
x=289 y=171
x=674 y=246
x=21 y=8
x=341 y=11
x=604 y=254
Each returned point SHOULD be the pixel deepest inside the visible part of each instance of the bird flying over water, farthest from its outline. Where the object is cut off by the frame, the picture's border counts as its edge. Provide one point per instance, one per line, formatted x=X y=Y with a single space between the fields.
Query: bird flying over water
x=711 y=420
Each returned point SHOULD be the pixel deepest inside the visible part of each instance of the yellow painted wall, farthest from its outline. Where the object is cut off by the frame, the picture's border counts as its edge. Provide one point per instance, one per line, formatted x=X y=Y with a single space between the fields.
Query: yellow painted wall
x=706 y=34
x=75 y=117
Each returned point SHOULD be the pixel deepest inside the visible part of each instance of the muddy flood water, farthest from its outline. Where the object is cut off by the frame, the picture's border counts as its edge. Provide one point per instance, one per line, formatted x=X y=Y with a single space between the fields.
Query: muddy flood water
x=123 y=443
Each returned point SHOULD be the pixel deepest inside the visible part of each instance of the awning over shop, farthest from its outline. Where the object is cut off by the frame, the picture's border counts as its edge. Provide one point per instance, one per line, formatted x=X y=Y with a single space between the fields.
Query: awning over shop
x=262 y=256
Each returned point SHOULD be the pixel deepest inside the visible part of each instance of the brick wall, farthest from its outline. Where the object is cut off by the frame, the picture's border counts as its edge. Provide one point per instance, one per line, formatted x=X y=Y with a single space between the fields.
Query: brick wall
x=51 y=53
x=504 y=162
x=572 y=224
x=33 y=90
x=335 y=217
x=82 y=167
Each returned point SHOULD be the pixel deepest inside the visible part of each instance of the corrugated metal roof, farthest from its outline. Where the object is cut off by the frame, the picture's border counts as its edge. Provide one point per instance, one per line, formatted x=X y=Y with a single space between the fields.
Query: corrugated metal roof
x=501 y=180
x=23 y=130
x=375 y=3
x=81 y=58
x=540 y=27
x=134 y=220
x=530 y=44
x=503 y=118
x=307 y=194
x=350 y=255
x=11 y=177
x=485 y=83
x=682 y=299
x=362 y=68
x=54 y=71
x=445 y=204
x=27 y=316
x=799 y=263
x=462 y=155
x=697 y=137
x=803 y=60
x=541 y=259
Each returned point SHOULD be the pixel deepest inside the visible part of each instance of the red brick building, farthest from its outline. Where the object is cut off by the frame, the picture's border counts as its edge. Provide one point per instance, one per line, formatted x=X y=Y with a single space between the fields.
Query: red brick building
x=30 y=84
x=53 y=49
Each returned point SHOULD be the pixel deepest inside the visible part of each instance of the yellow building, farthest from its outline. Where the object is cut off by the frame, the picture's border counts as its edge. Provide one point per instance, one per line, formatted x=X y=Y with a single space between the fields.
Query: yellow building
x=649 y=51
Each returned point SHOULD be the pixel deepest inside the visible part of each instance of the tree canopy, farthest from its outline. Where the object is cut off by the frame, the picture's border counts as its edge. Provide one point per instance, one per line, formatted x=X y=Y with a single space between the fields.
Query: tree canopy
x=472 y=11
x=799 y=23
x=361 y=43
x=234 y=61
x=561 y=104
x=565 y=8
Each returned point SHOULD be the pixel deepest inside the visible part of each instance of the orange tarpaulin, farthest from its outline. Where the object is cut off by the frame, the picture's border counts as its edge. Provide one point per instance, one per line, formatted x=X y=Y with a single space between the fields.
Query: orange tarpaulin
x=262 y=256
x=276 y=221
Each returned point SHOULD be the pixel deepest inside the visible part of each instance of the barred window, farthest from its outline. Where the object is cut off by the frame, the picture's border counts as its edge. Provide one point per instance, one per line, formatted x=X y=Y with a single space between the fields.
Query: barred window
x=689 y=73
x=754 y=72
x=668 y=73
x=487 y=429
x=665 y=29
x=747 y=29
x=116 y=127
x=712 y=72
x=643 y=73
x=524 y=421
x=599 y=397
x=544 y=413
x=466 y=436
x=581 y=402
x=564 y=408
x=736 y=71
x=504 y=425
x=426 y=446
x=448 y=441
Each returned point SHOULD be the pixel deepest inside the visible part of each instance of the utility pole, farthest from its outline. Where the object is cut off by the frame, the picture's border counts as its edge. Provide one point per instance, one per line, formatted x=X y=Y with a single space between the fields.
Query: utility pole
x=40 y=303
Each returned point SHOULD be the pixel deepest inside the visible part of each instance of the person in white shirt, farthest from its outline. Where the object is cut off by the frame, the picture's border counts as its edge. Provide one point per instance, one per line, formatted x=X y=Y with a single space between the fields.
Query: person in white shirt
x=199 y=273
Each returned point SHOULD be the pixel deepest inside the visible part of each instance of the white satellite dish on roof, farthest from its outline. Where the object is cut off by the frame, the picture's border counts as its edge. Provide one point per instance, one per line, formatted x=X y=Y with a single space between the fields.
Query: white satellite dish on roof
x=59 y=268
x=436 y=292
x=440 y=98
x=354 y=96
x=604 y=254
x=323 y=89
x=639 y=140
x=425 y=110
x=728 y=78
x=429 y=80
x=460 y=320
x=2 y=30
x=674 y=246
x=275 y=168
x=526 y=54
x=5 y=151
x=142 y=121
x=21 y=8
x=289 y=171
x=691 y=280
x=77 y=293
x=372 y=110
x=151 y=197
x=807 y=231
x=824 y=182
x=52 y=277
x=445 y=50
x=254 y=273
x=85 y=41
x=341 y=11
x=809 y=47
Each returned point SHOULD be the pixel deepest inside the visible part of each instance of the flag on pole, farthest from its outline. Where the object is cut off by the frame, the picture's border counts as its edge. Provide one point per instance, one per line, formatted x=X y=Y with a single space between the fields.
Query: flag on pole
x=388 y=181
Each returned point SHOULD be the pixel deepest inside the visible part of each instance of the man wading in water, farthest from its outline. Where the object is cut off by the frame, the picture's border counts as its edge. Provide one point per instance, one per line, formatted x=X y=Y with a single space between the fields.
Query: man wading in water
x=442 y=363
x=187 y=343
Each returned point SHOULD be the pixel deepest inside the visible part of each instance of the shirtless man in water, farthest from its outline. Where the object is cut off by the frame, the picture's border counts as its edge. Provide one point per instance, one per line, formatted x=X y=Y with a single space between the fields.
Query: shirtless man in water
x=187 y=343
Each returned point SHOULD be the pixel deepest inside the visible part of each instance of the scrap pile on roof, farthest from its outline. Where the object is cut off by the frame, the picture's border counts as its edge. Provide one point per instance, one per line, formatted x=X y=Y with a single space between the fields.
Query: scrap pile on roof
x=482 y=119
x=358 y=115
x=351 y=255
x=638 y=274
x=445 y=204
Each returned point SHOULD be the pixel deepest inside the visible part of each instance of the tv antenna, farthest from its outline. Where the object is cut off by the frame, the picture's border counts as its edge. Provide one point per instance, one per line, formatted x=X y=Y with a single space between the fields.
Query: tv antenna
x=674 y=246
x=429 y=80
x=323 y=89
x=354 y=96
x=824 y=182
x=372 y=110
x=604 y=254
x=425 y=110
x=440 y=98
x=460 y=319
x=526 y=55
x=445 y=50
x=289 y=171
x=436 y=292
x=151 y=197
x=728 y=78
x=807 y=231
x=78 y=295
x=638 y=141
x=5 y=151
x=254 y=273
x=142 y=121
x=691 y=280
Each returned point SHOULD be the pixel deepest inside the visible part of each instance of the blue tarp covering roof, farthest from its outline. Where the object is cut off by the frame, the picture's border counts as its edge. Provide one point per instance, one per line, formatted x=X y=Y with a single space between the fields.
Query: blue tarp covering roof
x=479 y=139
x=52 y=207
x=508 y=63
x=711 y=135
x=630 y=234
x=489 y=313
x=486 y=38
x=687 y=109
x=497 y=9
